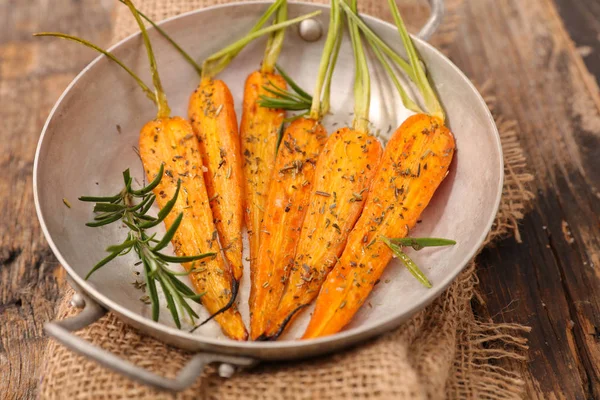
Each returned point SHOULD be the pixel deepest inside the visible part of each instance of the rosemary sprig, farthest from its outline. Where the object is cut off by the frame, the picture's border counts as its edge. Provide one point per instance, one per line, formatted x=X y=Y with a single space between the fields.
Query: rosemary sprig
x=396 y=244
x=295 y=99
x=130 y=207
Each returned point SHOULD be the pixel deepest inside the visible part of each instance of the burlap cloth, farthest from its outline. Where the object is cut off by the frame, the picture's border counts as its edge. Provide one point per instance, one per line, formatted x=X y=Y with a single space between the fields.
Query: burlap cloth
x=444 y=351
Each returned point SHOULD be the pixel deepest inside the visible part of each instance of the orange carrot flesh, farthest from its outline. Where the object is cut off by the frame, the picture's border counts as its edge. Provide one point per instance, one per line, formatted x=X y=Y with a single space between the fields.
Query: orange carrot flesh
x=414 y=163
x=343 y=176
x=213 y=119
x=258 y=136
x=285 y=209
x=171 y=141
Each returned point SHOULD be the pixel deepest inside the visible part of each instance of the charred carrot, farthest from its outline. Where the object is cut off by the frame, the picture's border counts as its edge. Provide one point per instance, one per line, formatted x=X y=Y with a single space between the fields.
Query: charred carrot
x=343 y=176
x=168 y=144
x=414 y=163
x=289 y=194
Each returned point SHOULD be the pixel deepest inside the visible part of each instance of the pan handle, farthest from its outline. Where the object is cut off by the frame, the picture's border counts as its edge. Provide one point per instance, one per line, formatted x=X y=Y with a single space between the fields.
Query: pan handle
x=92 y=311
x=434 y=21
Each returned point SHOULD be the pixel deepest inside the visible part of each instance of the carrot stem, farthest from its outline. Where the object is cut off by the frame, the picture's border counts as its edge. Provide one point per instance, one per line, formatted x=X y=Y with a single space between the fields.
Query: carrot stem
x=151 y=95
x=326 y=59
x=362 y=83
x=405 y=66
x=218 y=61
x=181 y=51
x=431 y=101
x=163 y=106
x=275 y=42
x=406 y=100
x=336 y=51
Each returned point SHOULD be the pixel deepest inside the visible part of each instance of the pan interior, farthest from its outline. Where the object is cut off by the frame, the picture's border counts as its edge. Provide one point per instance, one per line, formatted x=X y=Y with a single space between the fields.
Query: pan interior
x=82 y=152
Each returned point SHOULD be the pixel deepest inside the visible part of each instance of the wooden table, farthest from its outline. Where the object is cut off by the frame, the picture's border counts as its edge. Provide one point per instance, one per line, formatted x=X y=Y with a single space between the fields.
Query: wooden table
x=539 y=54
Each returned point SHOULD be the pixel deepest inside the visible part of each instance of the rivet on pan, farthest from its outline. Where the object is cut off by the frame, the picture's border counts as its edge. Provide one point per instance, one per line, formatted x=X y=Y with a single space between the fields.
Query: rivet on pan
x=226 y=370
x=310 y=30
x=77 y=301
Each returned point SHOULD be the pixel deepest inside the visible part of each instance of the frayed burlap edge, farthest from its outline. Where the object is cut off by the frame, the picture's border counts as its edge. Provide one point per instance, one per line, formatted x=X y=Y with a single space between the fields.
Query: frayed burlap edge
x=441 y=350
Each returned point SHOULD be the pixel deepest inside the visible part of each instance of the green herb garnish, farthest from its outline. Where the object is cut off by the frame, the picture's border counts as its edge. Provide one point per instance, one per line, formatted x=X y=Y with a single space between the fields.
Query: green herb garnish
x=131 y=207
x=396 y=244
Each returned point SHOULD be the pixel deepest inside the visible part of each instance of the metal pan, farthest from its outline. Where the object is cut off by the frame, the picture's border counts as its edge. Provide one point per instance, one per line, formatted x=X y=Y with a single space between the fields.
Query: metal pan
x=80 y=152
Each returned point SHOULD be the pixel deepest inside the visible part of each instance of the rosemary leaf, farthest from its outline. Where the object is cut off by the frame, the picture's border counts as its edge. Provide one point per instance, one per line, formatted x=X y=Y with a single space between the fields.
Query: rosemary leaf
x=293 y=84
x=169 y=235
x=183 y=259
x=152 y=184
x=105 y=221
x=102 y=262
x=419 y=243
x=407 y=261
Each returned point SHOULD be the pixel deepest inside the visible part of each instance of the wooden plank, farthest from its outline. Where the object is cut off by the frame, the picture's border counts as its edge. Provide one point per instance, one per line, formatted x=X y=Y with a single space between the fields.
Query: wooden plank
x=582 y=21
x=33 y=73
x=550 y=282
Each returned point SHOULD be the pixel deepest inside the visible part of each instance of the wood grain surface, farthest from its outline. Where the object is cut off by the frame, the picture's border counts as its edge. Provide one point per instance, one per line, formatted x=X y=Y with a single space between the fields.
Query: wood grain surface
x=550 y=281
x=33 y=74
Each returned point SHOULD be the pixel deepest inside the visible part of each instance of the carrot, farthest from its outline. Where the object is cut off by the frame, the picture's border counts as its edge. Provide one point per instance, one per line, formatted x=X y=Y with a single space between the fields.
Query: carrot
x=259 y=131
x=343 y=176
x=284 y=213
x=168 y=143
x=414 y=164
x=212 y=114
x=289 y=193
x=213 y=119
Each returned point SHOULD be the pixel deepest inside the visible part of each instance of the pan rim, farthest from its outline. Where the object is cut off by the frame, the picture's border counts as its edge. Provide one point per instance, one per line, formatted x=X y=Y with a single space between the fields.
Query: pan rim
x=349 y=336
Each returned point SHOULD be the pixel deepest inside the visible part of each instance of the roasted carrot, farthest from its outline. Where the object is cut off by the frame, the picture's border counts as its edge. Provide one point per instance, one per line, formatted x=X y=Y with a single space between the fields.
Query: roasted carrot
x=284 y=213
x=259 y=133
x=168 y=143
x=289 y=194
x=343 y=176
x=212 y=114
x=414 y=164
